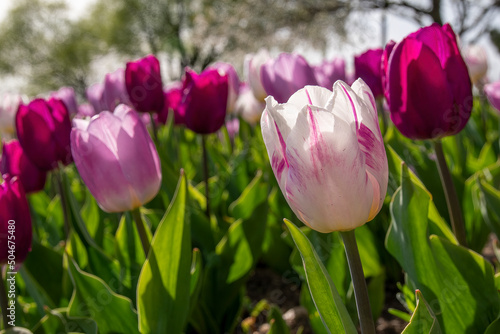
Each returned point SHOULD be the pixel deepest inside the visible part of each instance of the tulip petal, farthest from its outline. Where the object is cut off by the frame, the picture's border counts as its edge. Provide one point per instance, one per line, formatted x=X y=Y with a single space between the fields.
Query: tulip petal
x=325 y=160
x=106 y=127
x=315 y=95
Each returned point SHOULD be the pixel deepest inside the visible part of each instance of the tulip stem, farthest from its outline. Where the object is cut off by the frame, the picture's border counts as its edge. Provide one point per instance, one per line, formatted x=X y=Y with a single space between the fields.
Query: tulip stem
x=3 y=300
x=155 y=129
x=457 y=222
x=358 y=282
x=64 y=202
x=139 y=223
x=205 y=174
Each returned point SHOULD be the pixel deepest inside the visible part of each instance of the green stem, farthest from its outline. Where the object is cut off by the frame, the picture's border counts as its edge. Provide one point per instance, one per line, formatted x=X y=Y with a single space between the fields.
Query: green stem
x=155 y=129
x=358 y=282
x=4 y=301
x=136 y=213
x=205 y=174
x=64 y=201
x=457 y=222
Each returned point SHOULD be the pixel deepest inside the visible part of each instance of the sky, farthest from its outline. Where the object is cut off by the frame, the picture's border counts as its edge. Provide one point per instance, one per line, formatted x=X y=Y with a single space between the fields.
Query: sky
x=397 y=29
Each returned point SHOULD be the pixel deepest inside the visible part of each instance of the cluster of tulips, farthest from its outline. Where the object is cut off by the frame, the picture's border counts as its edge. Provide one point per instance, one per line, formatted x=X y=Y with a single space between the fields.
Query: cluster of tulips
x=319 y=124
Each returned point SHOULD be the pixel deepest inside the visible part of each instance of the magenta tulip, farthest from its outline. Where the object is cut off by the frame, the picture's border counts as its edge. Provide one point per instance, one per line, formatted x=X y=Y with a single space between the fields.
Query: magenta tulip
x=9 y=103
x=205 y=100
x=144 y=84
x=233 y=83
x=16 y=163
x=428 y=88
x=15 y=221
x=116 y=159
x=173 y=99
x=67 y=95
x=367 y=66
x=330 y=71
x=492 y=92
x=43 y=129
x=328 y=155
x=284 y=75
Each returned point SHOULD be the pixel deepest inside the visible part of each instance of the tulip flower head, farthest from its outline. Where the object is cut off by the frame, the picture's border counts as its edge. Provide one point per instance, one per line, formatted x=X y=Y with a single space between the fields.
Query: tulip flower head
x=16 y=163
x=327 y=153
x=367 y=66
x=330 y=71
x=477 y=62
x=95 y=96
x=43 y=129
x=115 y=91
x=205 y=100
x=247 y=106
x=283 y=76
x=116 y=159
x=492 y=91
x=14 y=219
x=427 y=84
x=173 y=99
x=67 y=95
x=9 y=103
x=144 y=84
x=253 y=66
x=233 y=82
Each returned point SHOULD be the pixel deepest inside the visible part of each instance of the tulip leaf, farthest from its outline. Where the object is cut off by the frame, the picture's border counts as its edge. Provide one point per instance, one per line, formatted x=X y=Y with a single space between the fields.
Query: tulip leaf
x=494 y=327
x=457 y=282
x=250 y=198
x=163 y=289
x=324 y=294
x=278 y=325
x=423 y=319
x=93 y=298
x=56 y=321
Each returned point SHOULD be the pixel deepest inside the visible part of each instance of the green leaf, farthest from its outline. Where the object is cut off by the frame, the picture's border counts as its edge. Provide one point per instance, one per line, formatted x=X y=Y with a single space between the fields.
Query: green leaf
x=163 y=288
x=494 y=327
x=249 y=199
x=458 y=283
x=56 y=321
x=93 y=298
x=324 y=294
x=278 y=325
x=423 y=320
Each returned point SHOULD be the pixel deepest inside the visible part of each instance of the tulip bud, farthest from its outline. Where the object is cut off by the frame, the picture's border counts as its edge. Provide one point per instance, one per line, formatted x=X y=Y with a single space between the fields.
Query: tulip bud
x=67 y=95
x=330 y=71
x=367 y=66
x=16 y=163
x=144 y=84
x=205 y=100
x=233 y=82
x=428 y=88
x=116 y=159
x=477 y=62
x=15 y=221
x=43 y=129
x=492 y=92
x=253 y=66
x=283 y=76
x=9 y=103
x=247 y=106
x=327 y=153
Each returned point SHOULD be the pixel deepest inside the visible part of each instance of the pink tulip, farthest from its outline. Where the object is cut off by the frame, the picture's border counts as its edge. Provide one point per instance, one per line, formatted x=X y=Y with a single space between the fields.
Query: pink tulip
x=67 y=95
x=330 y=71
x=115 y=91
x=283 y=76
x=9 y=103
x=477 y=62
x=328 y=155
x=492 y=92
x=116 y=159
x=95 y=96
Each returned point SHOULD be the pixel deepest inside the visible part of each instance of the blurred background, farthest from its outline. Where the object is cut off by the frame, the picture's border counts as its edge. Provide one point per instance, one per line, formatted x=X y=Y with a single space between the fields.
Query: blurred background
x=48 y=44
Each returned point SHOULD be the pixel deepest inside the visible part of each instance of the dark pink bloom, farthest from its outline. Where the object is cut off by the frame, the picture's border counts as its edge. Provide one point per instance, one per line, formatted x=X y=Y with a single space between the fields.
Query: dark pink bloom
x=173 y=99
x=15 y=220
x=330 y=71
x=144 y=84
x=367 y=67
x=205 y=100
x=233 y=82
x=43 y=129
x=428 y=88
x=67 y=95
x=16 y=163
x=286 y=74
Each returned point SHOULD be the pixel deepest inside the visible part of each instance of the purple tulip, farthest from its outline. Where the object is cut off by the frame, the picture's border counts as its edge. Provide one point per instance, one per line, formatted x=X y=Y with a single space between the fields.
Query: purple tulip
x=116 y=159
x=67 y=95
x=205 y=100
x=173 y=99
x=95 y=96
x=367 y=66
x=115 y=91
x=327 y=153
x=233 y=83
x=253 y=66
x=492 y=92
x=43 y=129
x=9 y=103
x=144 y=84
x=330 y=71
x=85 y=110
x=16 y=163
x=284 y=75
x=15 y=220
x=428 y=88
